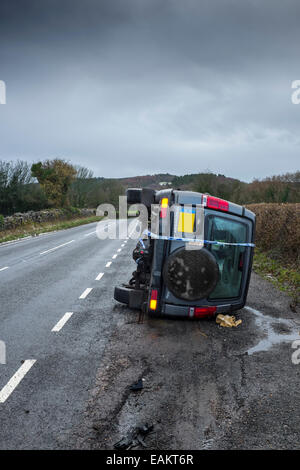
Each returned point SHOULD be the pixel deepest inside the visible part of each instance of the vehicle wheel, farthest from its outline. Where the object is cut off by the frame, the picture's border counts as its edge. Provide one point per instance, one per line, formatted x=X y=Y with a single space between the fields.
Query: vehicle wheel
x=121 y=294
x=134 y=195
x=134 y=298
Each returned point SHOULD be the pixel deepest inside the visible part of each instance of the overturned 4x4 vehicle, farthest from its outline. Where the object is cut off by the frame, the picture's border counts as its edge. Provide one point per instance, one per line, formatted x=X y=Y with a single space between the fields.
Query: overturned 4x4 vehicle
x=194 y=255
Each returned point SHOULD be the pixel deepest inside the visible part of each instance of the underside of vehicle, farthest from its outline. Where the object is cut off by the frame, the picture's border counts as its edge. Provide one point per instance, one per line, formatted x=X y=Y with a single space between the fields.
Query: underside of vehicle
x=195 y=260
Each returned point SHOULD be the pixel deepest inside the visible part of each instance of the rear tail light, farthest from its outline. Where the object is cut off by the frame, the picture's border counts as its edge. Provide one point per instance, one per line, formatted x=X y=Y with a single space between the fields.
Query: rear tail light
x=153 y=299
x=201 y=312
x=164 y=207
x=216 y=203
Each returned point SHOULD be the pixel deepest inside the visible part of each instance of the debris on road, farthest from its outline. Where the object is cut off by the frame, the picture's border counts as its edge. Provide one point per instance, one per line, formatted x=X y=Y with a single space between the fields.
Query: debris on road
x=136 y=387
x=141 y=441
x=145 y=429
x=125 y=443
x=201 y=333
x=135 y=437
x=227 y=321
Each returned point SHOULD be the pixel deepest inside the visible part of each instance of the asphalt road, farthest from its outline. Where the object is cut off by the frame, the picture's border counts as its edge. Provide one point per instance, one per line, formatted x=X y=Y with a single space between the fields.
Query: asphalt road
x=42 y=279
x=205 y=387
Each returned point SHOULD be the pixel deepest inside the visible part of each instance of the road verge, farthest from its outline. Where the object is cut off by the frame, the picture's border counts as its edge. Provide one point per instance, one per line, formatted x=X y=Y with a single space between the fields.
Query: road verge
x=34 y=229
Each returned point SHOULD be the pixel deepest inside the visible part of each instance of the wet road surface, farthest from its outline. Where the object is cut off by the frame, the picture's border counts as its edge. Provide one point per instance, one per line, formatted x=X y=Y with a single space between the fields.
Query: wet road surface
x=72 y=353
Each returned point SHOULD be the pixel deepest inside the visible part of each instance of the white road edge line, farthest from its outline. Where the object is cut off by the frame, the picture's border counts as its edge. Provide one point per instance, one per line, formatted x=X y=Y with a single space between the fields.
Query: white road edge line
x=16 y=379
x=3 y=269
x=14 y=242
x=86 y=293
x=108 y=264
x=56 y=247
x=62 y=321
x=100 y=275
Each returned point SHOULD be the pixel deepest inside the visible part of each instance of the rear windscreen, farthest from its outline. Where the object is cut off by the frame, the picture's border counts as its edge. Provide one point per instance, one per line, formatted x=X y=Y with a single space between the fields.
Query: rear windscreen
x=230 y=259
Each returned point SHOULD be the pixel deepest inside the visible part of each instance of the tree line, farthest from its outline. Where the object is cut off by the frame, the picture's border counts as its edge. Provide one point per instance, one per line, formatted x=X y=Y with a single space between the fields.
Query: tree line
x=52 y=183
x=279 y=189
x=58 y=183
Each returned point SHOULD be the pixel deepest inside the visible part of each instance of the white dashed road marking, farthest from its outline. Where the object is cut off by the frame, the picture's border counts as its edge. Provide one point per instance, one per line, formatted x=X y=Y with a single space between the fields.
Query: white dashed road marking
x=56 y=247
x=62 y=321
x=114 y=257
x=120 y=249
x=86 y=293
x=100 y=275
x=91 y=233
x=108 y=264
x=16 y=379
x=3 y=269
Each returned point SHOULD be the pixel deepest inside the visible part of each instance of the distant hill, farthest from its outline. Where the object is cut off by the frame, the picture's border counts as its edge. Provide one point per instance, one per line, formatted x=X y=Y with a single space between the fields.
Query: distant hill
x=281 y=188
x=161 y=180
x=150 y=181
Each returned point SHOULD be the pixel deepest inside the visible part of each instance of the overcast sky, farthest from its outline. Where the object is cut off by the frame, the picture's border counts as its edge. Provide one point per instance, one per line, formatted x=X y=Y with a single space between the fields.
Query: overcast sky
x=132 y=87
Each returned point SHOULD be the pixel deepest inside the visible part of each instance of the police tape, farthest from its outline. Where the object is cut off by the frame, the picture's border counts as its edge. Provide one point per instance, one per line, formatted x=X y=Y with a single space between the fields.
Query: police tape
x=196 y=240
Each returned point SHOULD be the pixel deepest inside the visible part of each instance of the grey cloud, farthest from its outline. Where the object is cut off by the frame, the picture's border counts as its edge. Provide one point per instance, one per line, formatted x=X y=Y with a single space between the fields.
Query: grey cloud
x=133 y=87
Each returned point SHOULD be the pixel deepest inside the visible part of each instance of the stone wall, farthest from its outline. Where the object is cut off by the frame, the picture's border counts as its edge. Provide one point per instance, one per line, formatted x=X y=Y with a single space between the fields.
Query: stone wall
x=48 y=215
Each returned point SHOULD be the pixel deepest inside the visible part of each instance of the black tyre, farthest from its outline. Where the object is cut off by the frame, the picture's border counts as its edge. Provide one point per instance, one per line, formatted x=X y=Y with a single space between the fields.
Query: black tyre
x=121 y=294
x=134 y=195
x=134 y=298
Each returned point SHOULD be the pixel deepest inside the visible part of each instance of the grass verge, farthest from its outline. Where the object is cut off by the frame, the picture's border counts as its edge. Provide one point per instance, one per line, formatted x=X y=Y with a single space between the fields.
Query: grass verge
x=33 y=229
x=285 y=278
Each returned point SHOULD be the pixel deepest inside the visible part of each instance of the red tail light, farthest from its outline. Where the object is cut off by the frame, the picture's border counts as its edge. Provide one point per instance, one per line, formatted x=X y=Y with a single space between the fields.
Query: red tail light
x=201 y=312
x=216 y=203
x=153 y=299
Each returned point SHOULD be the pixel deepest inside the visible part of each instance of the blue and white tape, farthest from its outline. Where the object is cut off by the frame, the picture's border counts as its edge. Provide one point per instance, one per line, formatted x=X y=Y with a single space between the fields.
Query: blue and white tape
x=196 y=240
x=142 y=243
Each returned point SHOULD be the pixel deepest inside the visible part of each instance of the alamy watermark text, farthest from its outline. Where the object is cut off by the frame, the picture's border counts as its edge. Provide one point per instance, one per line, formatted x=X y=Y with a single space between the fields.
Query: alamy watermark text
x=2 y=92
